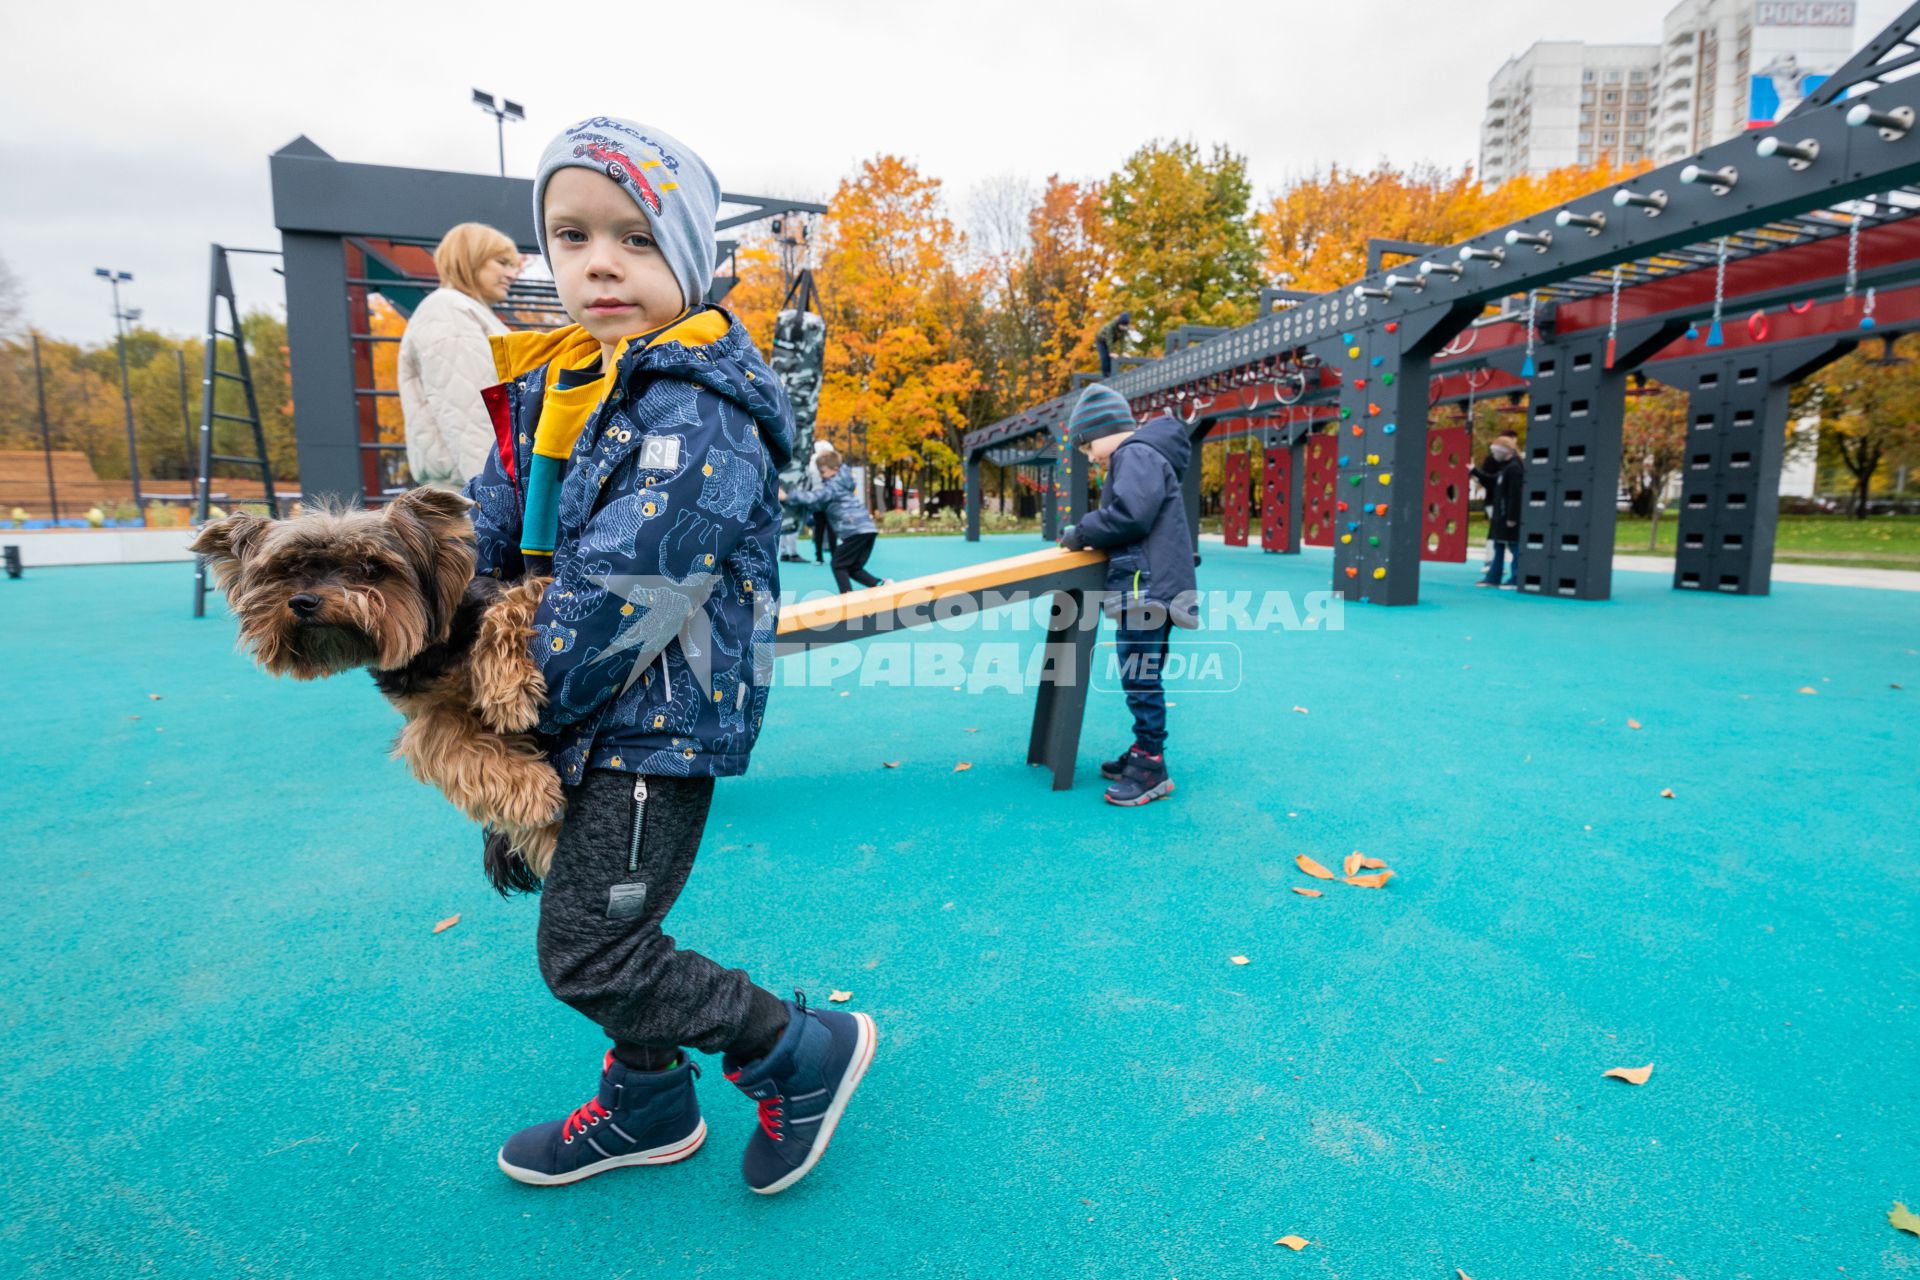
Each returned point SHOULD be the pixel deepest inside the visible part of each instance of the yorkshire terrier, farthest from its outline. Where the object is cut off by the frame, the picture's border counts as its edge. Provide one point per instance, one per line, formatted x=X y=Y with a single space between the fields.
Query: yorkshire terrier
x=393 y=590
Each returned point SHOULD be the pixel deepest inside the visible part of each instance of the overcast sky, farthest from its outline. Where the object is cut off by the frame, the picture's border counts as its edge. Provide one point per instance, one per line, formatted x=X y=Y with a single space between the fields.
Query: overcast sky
x=132 y=135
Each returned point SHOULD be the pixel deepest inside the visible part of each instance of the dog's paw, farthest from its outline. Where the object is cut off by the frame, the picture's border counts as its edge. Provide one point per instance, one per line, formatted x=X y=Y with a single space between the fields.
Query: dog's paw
x=508 y=689
x=535 y=800
x=510 y=701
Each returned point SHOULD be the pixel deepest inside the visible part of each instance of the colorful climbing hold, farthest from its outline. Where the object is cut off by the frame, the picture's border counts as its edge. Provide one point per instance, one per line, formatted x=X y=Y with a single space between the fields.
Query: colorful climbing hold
x=1346 y=538
x=1379 y=573
x=1352 y=525
x=1353 y=352
x=1355 y=481
x=1387 y=379
x=1346 y=337
x=1386 y=477
x=1389 y=429
x=1393 y=326
x=1377 y=361
x=1380 y=508
x=1345 y=413
x=1373 y=541
x=1339 y=506
x=1373 y=410
x=1358 y=429
x=1352 y=572
x=1373 y=459
x=1343 y=459
x=1359 y=384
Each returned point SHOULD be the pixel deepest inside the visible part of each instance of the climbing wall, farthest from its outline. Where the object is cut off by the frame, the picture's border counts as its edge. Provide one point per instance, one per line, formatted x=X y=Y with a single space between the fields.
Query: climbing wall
x=1443 y=522
x=1322 y=468
x=1237 y=480
x=1276 y=492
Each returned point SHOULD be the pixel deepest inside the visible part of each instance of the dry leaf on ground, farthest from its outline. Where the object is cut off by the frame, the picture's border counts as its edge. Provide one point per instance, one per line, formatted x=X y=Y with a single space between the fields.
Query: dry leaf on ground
x=1807 y=688
x=840 y=997
x=890 y=764
x=1632 y=1075
x=1301 y=710
x=1463 y=1275
x=963 y=766
x=1311 y=867
x=1666 y=793
x=1358 y=861
x=1377 y=881
x=154 y=696
x=1633 y=724
x=1238 y=959
x=1903 y=1218
x=1306 y=893
x=969 y=731
x=1294 y=1243
x=446 y=924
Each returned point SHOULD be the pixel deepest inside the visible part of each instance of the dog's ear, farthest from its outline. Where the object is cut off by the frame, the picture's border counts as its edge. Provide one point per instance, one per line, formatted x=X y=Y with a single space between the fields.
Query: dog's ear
x=227 y=543
x=447 y=565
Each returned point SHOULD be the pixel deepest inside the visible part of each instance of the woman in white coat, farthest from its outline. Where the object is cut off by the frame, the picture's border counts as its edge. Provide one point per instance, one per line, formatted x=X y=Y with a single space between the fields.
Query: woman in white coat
x=445 y=361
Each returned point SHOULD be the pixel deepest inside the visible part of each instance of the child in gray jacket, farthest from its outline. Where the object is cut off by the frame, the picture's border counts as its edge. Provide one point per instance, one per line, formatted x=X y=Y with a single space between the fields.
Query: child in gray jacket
x=846 y=511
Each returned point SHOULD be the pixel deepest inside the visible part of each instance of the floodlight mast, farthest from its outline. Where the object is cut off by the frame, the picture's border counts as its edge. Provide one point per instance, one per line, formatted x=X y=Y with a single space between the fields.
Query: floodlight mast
x=121 y=317
x=506 y=109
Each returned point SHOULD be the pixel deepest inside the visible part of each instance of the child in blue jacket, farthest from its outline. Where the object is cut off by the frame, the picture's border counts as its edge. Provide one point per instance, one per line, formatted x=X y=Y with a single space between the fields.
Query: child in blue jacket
x=637 y=461
x=1142 y=526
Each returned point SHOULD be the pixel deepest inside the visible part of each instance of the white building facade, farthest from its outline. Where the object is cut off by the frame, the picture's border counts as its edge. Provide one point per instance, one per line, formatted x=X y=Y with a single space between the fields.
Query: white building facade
x=1721 y=67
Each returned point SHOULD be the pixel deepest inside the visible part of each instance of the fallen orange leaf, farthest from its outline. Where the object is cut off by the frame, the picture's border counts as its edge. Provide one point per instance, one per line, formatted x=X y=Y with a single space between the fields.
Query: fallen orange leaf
x=1463 y=1275
x=1371 y=882
x=1302 y=710
x=1306 y=893
x=1807 y=688
x=1352 y=864
x=890 y=764
x=1903 y=1219
x=446 y=924
x=1633 y=724
x=1311 y=867
x=969 y=731
x=840 y=997
x=963 y=766
x=1666 y=793
x=1238 y=959
x=1358 y=861
x=1632 y=1075
x=1294 y=1243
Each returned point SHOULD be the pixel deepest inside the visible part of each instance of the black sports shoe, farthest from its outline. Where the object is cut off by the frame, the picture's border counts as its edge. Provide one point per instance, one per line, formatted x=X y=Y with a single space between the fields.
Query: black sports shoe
x=637 y=1117
x=1143 y=781
x=1112 y=769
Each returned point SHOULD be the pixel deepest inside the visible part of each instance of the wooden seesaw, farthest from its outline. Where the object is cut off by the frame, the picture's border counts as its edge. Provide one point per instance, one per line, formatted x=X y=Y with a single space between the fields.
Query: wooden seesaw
x=1070 y=577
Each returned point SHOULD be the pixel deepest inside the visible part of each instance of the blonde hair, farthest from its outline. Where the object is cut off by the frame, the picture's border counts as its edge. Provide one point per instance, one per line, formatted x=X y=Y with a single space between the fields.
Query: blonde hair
x=466 y=249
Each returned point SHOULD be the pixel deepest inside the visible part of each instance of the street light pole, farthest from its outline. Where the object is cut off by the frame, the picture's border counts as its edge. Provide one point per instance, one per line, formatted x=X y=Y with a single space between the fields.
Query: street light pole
x=507 y=109
x=46 y=435
x=114 y=278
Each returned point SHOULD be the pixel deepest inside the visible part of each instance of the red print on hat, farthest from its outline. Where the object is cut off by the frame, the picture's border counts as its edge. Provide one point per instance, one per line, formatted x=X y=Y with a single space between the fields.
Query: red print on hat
x=620 y=169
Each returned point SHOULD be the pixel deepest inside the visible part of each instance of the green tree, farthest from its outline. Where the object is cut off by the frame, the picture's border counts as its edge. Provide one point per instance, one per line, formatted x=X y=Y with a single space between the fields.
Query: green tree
x=1182 y=239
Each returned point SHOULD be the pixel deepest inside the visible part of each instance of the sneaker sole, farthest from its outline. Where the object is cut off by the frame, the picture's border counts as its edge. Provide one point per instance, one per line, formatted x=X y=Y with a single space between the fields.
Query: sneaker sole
x=671 y=1153
x=863 y=1046
x=1146 y=797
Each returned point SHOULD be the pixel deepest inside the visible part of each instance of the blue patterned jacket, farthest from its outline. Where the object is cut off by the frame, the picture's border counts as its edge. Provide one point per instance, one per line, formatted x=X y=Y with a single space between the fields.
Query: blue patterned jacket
x=656 y=636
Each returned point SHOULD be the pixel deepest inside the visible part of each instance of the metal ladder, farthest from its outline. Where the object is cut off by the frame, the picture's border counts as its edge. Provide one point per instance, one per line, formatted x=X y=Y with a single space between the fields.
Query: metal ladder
x=212 y=375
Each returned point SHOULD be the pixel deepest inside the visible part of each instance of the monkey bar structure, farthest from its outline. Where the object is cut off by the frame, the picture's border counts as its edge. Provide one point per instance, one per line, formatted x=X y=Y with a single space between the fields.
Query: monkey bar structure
x=1730 y=276
x=349 y=231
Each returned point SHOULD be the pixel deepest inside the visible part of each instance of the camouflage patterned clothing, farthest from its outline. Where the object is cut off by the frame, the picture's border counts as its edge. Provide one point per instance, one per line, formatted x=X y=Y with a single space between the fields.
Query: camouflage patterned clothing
x=656 y=636
x=799 y=357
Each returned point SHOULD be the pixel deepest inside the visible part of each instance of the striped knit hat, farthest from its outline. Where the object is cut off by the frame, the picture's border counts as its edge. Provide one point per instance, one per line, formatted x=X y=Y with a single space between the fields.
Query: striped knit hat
x=1100 y=411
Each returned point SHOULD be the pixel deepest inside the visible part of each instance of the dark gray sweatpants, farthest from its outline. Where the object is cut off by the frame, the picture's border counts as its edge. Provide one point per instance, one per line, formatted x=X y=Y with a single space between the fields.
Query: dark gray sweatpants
x=620 y=864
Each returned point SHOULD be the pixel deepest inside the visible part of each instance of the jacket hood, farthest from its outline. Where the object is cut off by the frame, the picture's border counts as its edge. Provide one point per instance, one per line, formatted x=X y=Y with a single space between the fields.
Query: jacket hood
x=1169 y=436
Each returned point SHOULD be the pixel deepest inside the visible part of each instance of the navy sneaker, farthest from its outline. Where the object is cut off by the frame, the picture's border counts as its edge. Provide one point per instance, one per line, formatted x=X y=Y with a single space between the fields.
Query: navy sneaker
x=1143 y=780
x=638 y=1117
x=1112 y=769
x=802 y=1087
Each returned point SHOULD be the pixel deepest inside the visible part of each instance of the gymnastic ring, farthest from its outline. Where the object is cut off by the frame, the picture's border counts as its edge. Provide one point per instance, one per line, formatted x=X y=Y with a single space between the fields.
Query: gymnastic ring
x=1757 y=326
x=1800 y=308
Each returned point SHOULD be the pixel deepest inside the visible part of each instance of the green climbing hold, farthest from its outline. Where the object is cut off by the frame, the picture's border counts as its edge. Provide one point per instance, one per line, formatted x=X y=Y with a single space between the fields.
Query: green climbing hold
x=1387 y=379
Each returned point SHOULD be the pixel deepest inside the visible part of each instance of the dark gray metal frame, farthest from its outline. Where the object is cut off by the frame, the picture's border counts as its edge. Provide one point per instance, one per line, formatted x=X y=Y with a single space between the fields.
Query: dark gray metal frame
x=318 y=204
x=1060 y=702
x=1657 y=226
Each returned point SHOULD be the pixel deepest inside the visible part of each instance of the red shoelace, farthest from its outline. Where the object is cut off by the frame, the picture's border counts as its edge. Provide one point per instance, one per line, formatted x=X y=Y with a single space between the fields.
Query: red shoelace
x=769 y=1111
x=587 y=1112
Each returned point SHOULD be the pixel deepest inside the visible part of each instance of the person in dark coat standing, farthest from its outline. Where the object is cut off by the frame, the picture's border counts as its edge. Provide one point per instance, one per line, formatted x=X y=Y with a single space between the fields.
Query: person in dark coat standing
x=1502 y=474
x=1142 y=526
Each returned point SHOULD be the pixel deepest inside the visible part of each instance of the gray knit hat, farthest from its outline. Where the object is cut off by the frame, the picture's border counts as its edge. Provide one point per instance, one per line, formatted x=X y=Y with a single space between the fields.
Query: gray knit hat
x=1100 y=411
x=671 y=184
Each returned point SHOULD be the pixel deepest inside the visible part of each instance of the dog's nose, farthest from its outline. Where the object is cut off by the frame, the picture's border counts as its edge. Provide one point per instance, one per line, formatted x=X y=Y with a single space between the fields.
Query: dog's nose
x=304 y=604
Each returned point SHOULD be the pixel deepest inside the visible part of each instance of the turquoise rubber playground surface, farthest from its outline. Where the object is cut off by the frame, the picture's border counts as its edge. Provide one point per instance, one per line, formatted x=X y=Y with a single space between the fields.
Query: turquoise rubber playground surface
x=234 y=1045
